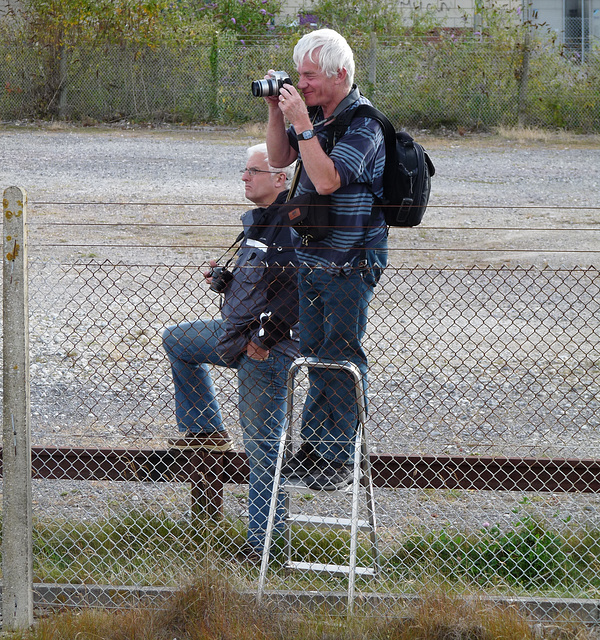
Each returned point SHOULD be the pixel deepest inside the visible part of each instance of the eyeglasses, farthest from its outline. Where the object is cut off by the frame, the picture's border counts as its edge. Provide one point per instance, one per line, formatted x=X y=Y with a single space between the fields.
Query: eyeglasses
x=252 y=171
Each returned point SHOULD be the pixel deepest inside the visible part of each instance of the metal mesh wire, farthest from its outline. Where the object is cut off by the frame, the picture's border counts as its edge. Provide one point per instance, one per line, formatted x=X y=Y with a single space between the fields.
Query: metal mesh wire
x=483 y=423
x=441 y=81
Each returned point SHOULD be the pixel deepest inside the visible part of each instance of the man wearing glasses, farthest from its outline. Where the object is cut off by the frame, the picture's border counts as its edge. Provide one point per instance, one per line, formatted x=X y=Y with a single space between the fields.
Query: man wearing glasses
x=256 y=335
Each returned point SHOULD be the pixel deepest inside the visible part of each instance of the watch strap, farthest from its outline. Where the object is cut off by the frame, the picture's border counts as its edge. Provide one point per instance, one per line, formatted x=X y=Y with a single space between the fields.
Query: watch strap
x=307 y=134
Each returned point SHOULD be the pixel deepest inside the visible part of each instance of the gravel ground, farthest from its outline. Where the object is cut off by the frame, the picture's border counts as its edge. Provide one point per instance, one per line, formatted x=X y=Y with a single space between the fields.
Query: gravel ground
x=496 y=200
x=528 y=195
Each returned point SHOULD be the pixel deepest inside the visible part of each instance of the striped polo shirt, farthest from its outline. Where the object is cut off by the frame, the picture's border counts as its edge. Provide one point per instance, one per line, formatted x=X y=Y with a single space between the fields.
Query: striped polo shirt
x=359 y=157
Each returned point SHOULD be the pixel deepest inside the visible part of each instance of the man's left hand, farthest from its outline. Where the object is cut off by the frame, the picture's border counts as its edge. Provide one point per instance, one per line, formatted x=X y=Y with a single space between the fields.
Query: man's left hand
x=256 y=353
x=293 y=107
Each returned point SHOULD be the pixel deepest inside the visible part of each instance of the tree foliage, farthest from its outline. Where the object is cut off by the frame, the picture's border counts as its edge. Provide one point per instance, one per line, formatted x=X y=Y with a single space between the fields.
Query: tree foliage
x=246 y=17
x=356 y=16
x=141 y=23
x=360 y=17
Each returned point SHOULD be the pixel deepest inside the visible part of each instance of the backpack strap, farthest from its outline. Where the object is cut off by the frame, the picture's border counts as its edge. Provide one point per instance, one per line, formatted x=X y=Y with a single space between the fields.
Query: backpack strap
x=341 y=124
x=389 y=134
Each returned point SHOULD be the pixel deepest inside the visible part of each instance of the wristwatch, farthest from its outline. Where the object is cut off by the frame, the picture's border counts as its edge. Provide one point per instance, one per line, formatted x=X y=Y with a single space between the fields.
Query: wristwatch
x=307 y=135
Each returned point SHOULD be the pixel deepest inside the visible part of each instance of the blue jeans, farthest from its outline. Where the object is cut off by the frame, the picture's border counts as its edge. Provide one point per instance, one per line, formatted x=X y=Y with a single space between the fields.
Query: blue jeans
x=191 y=347
x=333 y=321
x=263 y=404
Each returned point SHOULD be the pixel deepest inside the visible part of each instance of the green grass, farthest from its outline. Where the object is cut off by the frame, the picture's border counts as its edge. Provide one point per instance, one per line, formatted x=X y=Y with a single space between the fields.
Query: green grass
x=529 y=556
x=136 y=549
x=152 y=550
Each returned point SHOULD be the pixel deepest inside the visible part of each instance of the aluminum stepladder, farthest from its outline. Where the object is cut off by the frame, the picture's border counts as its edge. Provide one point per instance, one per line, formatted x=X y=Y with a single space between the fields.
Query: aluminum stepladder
x=362 y=478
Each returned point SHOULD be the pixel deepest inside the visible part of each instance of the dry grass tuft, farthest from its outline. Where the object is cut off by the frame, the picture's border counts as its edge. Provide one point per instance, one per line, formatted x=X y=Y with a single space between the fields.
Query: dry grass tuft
x=533 y=135
x=212 y=609
x=441 y=617
x=255 y=130
x=207 y=610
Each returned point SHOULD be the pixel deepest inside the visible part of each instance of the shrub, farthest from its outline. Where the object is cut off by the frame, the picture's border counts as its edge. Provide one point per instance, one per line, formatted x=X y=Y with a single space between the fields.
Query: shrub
x=530 y=555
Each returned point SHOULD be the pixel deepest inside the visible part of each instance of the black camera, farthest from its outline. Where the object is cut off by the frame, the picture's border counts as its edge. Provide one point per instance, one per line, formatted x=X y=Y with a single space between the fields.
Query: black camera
x=270 y=86
x=221 y=277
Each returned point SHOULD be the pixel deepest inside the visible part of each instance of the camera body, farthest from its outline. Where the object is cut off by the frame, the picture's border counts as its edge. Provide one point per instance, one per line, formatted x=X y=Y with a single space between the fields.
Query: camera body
x=221 y=277
x=271 y=86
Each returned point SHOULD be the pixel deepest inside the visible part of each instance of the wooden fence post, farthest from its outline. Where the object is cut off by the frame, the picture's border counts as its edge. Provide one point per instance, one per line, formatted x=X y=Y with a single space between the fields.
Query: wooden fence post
x=63 y=83
x=17 y=549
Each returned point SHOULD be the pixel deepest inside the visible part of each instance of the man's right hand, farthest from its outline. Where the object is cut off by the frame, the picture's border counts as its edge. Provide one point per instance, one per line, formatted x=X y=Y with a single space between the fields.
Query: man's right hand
x=272 y=101
x=281 y=154
x=292 y=106
x=208 y=274
x=254 y=352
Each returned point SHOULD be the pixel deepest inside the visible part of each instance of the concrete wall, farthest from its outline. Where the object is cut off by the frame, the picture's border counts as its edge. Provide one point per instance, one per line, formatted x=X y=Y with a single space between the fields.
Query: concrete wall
x=449 y=11
x=568 y=17
x=5 y=6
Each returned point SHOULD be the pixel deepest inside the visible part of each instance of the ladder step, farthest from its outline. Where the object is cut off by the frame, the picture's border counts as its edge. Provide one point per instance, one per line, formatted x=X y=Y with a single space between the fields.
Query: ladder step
x=321 y=521
x=333 y=569
x=297 y=486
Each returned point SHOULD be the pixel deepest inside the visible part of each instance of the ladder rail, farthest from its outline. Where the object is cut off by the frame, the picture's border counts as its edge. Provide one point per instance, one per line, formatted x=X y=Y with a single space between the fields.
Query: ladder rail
x=370 y=498
x=286 y=436
x=354 y=527
x=362 y=476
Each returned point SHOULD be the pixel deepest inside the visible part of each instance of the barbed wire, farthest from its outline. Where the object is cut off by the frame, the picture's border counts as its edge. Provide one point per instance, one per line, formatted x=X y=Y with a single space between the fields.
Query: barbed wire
x=246 y=204
x=113 y=245
x=110 y=264
x=236 y=225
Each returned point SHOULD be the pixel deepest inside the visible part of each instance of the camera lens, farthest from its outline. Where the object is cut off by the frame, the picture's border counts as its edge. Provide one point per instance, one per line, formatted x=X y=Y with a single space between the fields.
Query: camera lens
x=270 y=86
x=264 y=88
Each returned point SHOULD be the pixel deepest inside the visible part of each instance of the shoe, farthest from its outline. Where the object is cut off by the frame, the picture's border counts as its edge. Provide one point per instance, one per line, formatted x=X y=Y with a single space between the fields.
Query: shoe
x=249 y=555
x=330 y=476
x=299 y=465
x=215 y=441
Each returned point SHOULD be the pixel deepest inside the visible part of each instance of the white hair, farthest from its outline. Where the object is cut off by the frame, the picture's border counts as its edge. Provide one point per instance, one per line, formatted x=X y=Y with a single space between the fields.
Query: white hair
x=262 y=149
x=335 y=53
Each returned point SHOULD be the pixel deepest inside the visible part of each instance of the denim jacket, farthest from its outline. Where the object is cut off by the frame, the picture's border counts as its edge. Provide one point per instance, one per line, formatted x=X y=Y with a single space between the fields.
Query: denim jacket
x=260 y=304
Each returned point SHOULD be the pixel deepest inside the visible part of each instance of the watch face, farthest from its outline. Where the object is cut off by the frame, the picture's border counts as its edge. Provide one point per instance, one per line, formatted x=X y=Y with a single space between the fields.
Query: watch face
x=307 y=135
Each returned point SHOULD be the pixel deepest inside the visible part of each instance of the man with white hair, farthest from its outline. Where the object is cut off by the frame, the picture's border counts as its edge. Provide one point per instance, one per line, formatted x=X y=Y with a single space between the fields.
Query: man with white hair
x=257 y=335
x=337 y=274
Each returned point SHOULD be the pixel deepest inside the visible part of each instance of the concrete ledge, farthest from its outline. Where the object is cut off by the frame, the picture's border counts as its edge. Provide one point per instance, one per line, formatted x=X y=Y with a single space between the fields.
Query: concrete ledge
x=126 y=597
x=535 y=609
x=98 y=596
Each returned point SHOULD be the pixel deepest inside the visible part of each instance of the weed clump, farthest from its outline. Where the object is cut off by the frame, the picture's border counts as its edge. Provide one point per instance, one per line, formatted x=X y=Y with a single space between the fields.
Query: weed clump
x=213 y=609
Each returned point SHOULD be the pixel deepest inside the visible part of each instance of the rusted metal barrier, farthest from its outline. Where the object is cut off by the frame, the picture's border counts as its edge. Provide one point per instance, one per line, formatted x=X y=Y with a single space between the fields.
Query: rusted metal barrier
x=207 y=472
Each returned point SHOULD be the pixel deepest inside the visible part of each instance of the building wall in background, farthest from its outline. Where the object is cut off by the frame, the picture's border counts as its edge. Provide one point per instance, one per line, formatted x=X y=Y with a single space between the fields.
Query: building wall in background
x=577 y=22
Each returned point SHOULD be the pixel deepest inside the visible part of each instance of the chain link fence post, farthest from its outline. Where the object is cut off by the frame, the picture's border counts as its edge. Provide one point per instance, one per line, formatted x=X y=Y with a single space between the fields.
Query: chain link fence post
x=523 y=72
x=372 y=65
x=63 y=82
x=17 y=552
x=214 y=78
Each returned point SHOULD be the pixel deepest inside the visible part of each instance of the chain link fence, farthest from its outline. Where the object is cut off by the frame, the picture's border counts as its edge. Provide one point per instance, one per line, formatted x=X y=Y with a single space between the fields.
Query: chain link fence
x=483 y=425
x=447 y=80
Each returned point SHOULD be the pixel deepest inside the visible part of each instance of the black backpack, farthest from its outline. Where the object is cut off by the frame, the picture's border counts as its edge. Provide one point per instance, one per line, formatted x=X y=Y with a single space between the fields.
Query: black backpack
x=407 y=174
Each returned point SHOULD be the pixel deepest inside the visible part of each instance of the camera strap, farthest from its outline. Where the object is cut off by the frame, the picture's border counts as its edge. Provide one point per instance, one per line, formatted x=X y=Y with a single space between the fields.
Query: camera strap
x=256 y=225
x=238 y=239
x=351 y=98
